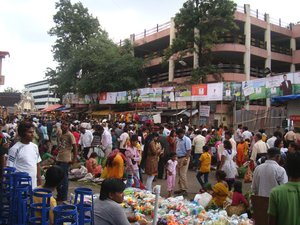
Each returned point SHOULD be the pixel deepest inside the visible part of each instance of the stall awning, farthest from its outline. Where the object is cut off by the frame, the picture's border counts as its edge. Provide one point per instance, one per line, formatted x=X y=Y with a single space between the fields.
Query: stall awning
x=282 y=99
x=52 y=108
x=101 y=113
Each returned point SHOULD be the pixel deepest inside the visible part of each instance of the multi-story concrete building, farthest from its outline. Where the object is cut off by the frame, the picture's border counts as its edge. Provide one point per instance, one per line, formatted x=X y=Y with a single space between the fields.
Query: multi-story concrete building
x=261 y=42
x=2 y=56
x=42 y=94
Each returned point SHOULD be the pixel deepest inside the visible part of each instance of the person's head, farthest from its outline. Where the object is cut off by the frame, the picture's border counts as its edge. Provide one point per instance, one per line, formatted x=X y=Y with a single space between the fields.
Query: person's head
x=65 y=126
x=82 y=129
x=261 y=130
x=54 y=176
x=173 y=133
x=278 y=143
x=161 y=130
x=293 y=165
x=93 y=155
x=240 y=126
x=245 y=128
x=155 y=136
x=277 y=134
x=284 y=77
x=180 y=133
x=134 y=140
x=237 y=186
x=227 y=144
x=205 y=148
x=112 y=189
x=220 y=175
x=228 y=135
x=293 y=147
x=257 y=137
x=26 y=131
x=274 y=154
x=173 y=156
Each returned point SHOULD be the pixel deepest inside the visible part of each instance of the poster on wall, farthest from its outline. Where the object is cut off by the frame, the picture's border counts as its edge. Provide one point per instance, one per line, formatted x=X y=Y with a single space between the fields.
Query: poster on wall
x=296 y=84
x=183 y=94
x=155 y=95
x=207 y=92
x=168 y=94
x=231 y=90
x=280 y=85
x=259 y=89
x=121 y=97
x=143 y=94
x=107 y=98
x=247 y=88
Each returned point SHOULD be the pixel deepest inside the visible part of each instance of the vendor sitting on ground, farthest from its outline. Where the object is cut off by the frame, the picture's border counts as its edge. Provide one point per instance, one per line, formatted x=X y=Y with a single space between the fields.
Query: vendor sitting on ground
x=107 y=210
x=53 y=177
x=220 y=189
x=92 y=165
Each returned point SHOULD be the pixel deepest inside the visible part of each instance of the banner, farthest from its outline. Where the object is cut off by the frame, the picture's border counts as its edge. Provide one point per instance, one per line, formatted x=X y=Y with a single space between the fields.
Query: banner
x=259 y=89
x=107 y=98
x=168 y=94
x=296 y=84
x=143 y=94
x=280 y=85
x=183 y=94
x=121 y=97
x=155 y=95
x=207 y=92
x=231 y=90
x=204 y=110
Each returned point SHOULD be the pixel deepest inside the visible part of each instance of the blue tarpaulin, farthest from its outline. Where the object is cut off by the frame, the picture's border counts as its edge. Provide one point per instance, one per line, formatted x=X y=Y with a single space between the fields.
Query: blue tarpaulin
x=282 y=99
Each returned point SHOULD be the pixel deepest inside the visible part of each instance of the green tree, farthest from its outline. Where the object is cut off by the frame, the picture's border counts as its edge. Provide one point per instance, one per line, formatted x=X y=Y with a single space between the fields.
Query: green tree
x=211 y=19
x=88 y=61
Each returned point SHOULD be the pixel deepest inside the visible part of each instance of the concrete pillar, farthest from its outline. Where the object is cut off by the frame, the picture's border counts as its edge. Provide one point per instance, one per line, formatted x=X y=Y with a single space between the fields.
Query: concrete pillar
x=196 y=52
x=293 y=47
x=269 y=52
x=0 y=66
x=247 y=55
x=171 y=60
x=132 y=37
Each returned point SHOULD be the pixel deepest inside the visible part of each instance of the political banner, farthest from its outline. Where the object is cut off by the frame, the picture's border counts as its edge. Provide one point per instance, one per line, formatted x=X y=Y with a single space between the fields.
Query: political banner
x=259 y=89
x=107 y=98
x=280 y=85
x=121 y=97
x=232 y=90
x=143 y=94
x=183 y=94
x=155 y=94
x=247 y=88
x=207 y=92
x=168 y=94
x=296 y=84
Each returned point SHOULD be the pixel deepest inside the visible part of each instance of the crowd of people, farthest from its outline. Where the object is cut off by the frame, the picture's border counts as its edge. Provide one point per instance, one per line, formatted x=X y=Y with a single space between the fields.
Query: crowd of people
x=116 y=151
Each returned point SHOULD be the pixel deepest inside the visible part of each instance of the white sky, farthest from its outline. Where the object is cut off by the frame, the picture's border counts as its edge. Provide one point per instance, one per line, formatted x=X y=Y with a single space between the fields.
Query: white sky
x=24 y=25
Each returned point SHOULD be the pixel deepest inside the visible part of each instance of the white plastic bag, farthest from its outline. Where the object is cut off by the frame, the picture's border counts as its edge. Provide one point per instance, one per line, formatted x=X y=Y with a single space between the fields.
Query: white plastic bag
x=203 y=199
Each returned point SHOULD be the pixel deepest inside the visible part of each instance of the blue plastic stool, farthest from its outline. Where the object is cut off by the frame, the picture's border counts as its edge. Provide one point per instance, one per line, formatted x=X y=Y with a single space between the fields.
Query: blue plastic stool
x=65 y=214
x=6 y=194
x=21 y=199
x=85 y=211
x=40 y=211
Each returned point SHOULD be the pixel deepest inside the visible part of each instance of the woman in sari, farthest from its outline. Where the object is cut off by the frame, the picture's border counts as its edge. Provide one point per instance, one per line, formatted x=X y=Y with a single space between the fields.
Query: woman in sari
x=220 y=189
x=115 y=165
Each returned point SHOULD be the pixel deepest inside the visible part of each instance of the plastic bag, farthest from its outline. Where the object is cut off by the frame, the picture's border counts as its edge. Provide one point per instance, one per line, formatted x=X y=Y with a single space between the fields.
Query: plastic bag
x=203 y=199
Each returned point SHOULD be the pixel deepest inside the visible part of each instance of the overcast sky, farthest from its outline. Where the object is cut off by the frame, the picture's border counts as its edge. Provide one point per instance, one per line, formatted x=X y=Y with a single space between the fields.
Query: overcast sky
x=24 y=25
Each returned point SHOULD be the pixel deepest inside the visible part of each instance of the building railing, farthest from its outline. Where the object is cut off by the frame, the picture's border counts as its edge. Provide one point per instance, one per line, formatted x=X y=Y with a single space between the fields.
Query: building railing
x=224 y=68
x=282 y=50
x=236 y=39
x=151 y=31
x=258 y=43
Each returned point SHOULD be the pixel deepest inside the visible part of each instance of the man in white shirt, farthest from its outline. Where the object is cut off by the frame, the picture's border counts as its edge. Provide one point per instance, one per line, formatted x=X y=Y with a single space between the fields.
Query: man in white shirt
x=260 y=148
x=239 y=134
x=85 y=141
x=24 y=155
x=123 y=139
x=247 y=134
x=197 y=145
x=269 y=174
x=270 y=141
x=106 y=140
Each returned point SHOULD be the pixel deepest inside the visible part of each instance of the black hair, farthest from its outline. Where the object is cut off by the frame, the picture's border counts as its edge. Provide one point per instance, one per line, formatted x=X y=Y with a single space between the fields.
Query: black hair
x=54 y=176
x=23 y=127
x=111 y=185
x=205 y=148
x=237 y=186
x=294 y=145
x=228 y=133
x=180 y=131
x=272 y=152
x=155 y=134
x=277 y=134
x=259 y=136
x=93 y=155
x=134 y=137
x=172 y=132
x=172 y=154
x=293 y=165
x=227 y=144
x=245 y=128
x=220 y=174
x=277 y=142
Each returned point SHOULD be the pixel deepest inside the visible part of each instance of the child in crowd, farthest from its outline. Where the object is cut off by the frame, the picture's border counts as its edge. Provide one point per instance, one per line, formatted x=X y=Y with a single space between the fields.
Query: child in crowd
x=204 y=169
x=239 y=203
x=92 y=165
x=53 y=177
x=171 y=173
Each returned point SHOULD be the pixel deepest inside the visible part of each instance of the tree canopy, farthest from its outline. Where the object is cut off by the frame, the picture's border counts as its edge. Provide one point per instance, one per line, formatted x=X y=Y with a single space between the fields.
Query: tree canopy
x=11 y=90
x=87 y=60
x=212 y=19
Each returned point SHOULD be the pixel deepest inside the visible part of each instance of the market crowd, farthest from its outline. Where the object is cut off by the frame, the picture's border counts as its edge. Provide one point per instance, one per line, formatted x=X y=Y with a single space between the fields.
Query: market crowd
x=122 y=151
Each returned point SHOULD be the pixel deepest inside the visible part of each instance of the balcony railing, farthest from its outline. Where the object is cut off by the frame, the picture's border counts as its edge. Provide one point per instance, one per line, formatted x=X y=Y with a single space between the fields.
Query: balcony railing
x=236 y=39
x=224 y=68
x=258 y=43
x=282 y=50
